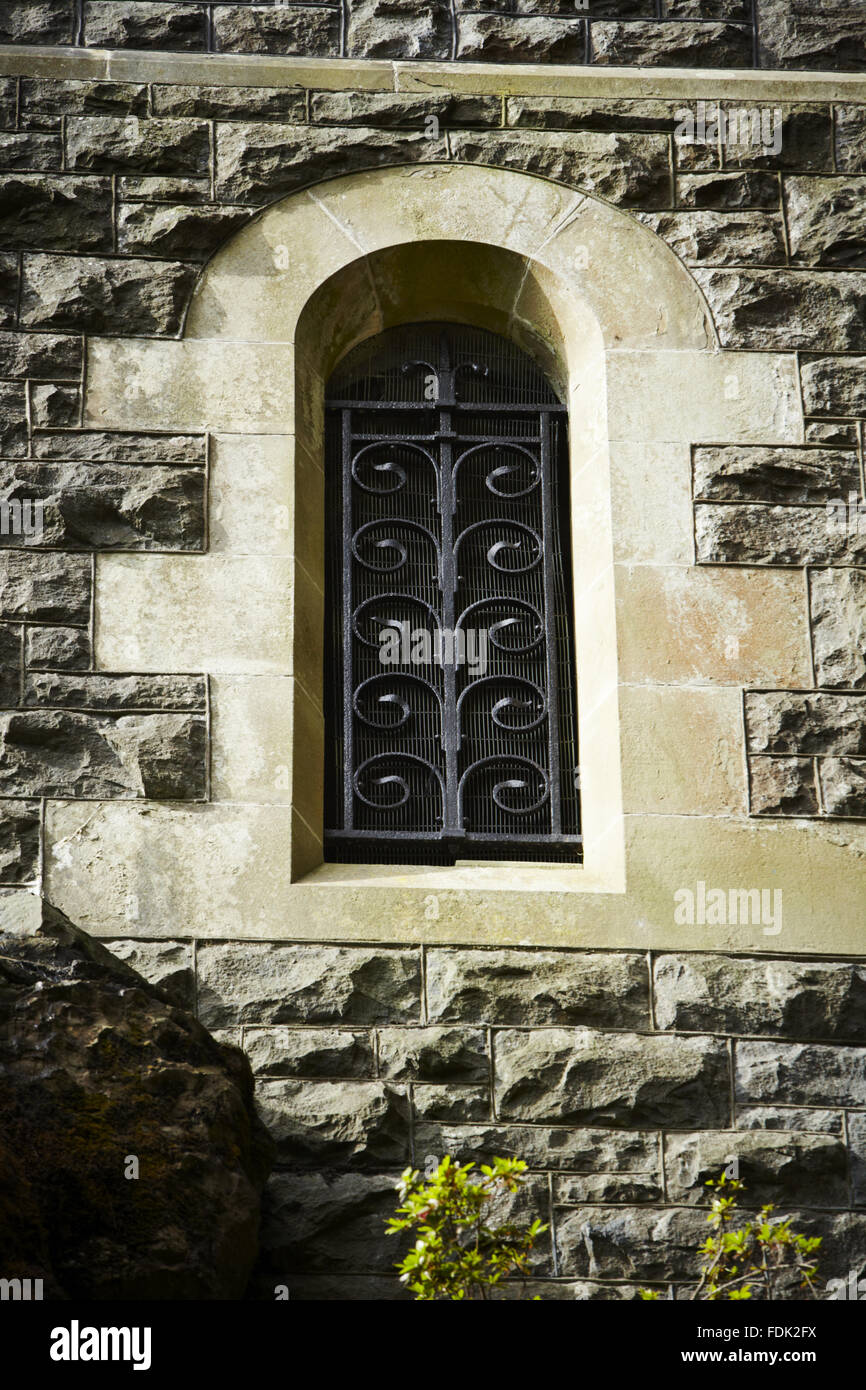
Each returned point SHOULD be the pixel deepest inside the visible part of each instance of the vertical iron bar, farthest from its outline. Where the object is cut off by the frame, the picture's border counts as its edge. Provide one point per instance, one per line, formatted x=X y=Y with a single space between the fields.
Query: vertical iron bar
x=348 y=672
x=548 y=539
x=448 y=581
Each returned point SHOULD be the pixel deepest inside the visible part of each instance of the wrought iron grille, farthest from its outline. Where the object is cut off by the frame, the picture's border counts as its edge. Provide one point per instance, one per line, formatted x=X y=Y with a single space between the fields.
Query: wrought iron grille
x=450 y=701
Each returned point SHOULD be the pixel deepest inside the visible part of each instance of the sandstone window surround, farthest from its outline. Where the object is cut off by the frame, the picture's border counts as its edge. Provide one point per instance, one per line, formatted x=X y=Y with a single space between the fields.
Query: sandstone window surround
x=623 y=329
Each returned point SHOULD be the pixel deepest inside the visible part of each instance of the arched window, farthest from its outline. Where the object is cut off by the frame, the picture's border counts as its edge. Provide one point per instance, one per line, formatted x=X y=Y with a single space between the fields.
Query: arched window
x=451 y=730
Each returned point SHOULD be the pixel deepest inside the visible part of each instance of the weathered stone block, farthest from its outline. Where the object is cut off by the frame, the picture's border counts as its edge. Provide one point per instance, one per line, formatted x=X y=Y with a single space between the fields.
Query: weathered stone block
x=735 y=534
x=19 y=841
x=258 y=161
x=124 y=144
x=110 y=507
x=329 y=1222
x=54 y=406
x=61 y=753
x=309 y=31
x=257 y=983
x=826 y=221
x=13 y=419
x=25 y=149
x=122 y=446
x=843 y=786
x=139 y=297
x=810 y=1169
x=37 y=21
x=451 y=1105
x=49 y=96
x=639 y=1243
x=837 y=433
x=537 y=987
x=10 y=664
x=721 y=238
x=45 y=588
x=784 y=722
x=361 y=1123
x=790 y=137
x=782 y=787
x=8 y=288
x=743 y=473
x=789 y=1118
x=685 y=44
x=786 y=309
x=95 y=691
x=57 y=649
x=837 y=602
x=834 y=385
x=582 y=113
x=857 y=1144
x=63 y=213
x=309 y=1052
x=167 y=964
x=224 y=103
x=433 y=1054
x=800 y=1074
x=398 y=29
x=558 y=1148
x=165 y=229
x=628 y=1188
x=156 y=188
x=577 y=1076
x=130 y=24
x=750 y=188
x=796 y=36
x=493 y=38
x=851 y=139
x=632 y=170
x=403 y=109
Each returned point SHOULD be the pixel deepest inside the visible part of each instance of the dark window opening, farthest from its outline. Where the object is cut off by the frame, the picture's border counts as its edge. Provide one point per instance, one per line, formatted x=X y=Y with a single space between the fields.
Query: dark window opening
x=450 y=704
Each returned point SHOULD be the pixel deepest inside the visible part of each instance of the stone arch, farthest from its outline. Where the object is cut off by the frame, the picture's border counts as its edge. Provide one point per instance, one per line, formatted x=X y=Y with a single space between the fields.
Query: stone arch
x=614 y=317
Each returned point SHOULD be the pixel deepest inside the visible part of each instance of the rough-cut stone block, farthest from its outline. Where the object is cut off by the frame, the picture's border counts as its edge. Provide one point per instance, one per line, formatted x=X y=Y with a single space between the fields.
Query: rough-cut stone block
x=810 y=1169
x=857 y=1144
x=45 y=588
x=398 y=29
x=156 y=188
x=826 y=221
x=164 y=229
x=258 y=161
x=167 y=964
x=63 y=753
x=577 y=1076
x=835 y=433
x=640 y=1243
x=403 y=109
x=95 y=691
x=49 y=96
x=493 y=38
x=789 y=1118
x=738 y=11
x=132 y=24
x=721 y=238
x=834 y=385
x=19 y=841
x=537 y=987
x=362 y=1123
x=329 y=1222
x=62 y=213
x=54 y=406
x=110 y=507
x=632 y=170
x=25 y=149
x=13 y=420
x=37 y=21
x=787 y=309
x=121 y=446
x=630 y=1188
x=751 y=188
x=768 y=135
x=433 y=1054
x=779 y=721
x=782 y=787
x=837 y=602
x=583 y=113
x=843 y=786
x=124 y=144
x=309 y=1052
x=851 y=139
x=639 y=43
x=8 y=288
x=744 y=473
x=10 y=664
x=57 y=649
x=800 y=1074
x=8 y=101
x=451 y=1105
x=558 y=1148
x=225 y=103
x=829 y=37
x=735 y=534
x=258 y=983
x=309 y=31
x=139 y=297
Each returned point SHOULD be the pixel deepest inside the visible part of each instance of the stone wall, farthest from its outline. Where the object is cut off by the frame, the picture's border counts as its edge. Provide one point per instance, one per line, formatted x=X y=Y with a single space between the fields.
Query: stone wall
x=669 y=33
x=624 y=1079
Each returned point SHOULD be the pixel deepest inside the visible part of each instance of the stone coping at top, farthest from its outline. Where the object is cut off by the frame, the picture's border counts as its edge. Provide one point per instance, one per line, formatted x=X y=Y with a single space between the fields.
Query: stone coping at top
x=336 y=74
